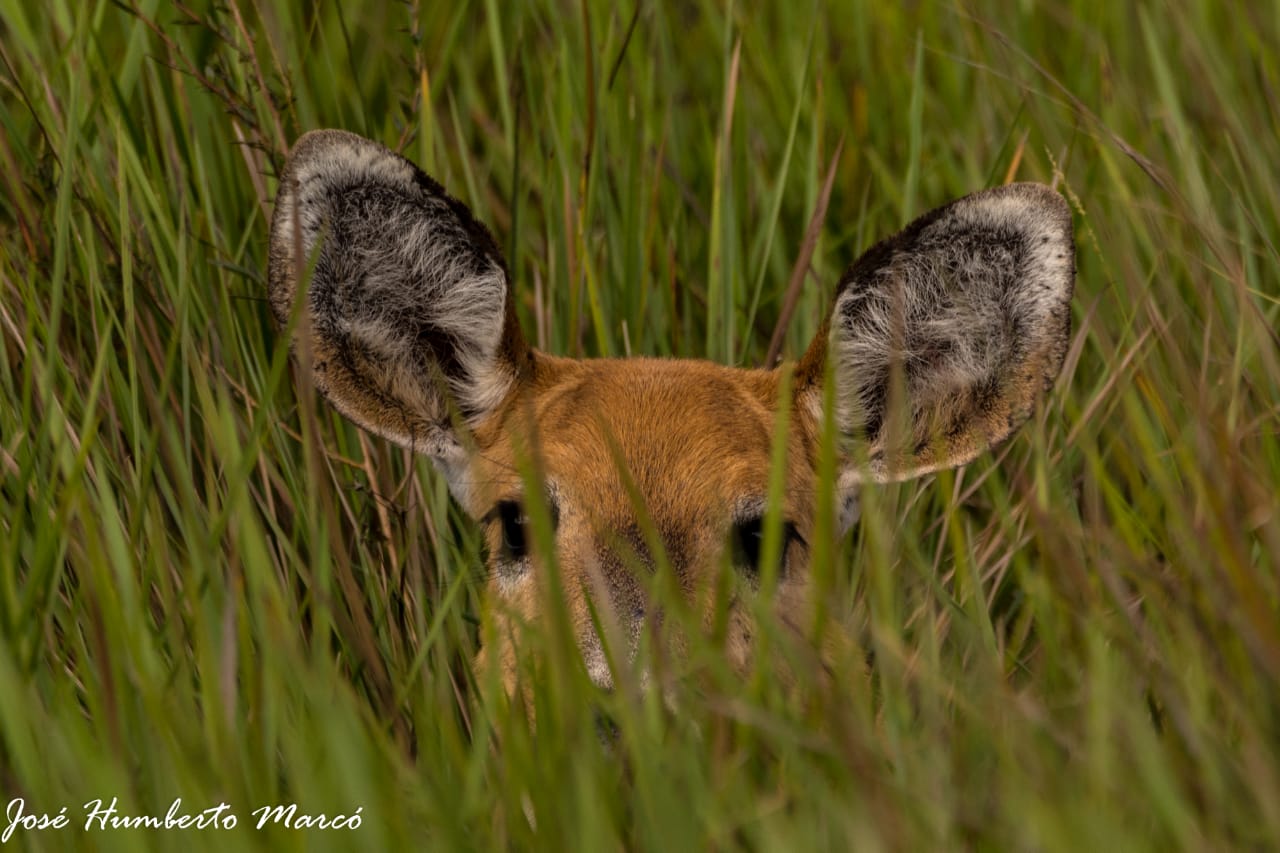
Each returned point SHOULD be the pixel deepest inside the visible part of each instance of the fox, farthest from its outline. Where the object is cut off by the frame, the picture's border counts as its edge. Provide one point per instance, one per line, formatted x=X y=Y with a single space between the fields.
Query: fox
x=940 y=343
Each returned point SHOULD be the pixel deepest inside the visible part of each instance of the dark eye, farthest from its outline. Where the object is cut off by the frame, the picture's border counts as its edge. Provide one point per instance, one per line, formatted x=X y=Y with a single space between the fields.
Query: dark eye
x=514 y=534
x=748 y=544
x=515 y=541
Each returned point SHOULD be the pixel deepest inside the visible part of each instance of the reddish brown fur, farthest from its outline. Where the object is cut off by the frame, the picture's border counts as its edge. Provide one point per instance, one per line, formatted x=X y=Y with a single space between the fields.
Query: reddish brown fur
x=692 y=436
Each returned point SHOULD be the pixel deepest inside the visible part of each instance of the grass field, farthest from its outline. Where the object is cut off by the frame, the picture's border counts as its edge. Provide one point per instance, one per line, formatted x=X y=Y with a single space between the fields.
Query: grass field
x=212 y=593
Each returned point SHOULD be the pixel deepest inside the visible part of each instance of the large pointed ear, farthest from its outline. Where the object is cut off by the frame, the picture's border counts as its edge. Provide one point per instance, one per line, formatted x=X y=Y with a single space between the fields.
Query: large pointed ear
x=407 y=311
x=943 y=337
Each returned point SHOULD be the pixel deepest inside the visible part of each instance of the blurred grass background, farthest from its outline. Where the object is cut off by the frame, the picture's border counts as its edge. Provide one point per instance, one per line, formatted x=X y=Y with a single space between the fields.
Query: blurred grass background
x=208 y=593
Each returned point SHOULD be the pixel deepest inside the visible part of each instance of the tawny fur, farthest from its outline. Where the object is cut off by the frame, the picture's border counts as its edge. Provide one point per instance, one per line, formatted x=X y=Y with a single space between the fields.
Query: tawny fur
x=942 y=339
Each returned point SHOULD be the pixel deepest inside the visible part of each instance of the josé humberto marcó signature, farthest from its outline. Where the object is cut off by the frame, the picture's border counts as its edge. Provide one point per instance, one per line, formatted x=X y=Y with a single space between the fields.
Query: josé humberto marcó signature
x=99 y=815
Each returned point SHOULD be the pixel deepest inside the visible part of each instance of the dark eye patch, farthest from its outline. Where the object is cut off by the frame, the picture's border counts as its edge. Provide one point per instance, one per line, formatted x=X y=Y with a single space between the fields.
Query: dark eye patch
x=515 y=536
x=515 y=529
x=747 y=545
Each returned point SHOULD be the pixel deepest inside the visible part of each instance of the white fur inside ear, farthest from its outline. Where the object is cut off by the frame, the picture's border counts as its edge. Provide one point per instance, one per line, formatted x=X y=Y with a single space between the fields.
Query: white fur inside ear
x=968 y=301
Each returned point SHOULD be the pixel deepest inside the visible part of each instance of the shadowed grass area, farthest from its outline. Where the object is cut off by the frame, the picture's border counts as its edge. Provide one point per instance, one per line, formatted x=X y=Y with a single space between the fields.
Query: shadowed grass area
x=214 y=588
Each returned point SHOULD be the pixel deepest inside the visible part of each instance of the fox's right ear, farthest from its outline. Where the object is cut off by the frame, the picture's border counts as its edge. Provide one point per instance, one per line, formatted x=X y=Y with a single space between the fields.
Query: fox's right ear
x=408 y=305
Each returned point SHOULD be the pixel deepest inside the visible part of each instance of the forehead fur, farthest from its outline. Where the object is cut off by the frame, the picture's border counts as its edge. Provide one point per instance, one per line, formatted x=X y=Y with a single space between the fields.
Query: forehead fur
x=693 y=436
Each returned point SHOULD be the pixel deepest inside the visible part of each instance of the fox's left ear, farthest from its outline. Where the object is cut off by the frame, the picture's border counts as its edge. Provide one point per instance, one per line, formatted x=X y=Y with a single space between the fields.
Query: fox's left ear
x=945 y=336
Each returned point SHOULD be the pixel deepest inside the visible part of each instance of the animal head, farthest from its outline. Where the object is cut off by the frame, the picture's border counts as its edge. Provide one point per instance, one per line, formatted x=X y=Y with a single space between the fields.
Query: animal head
x=939 y=344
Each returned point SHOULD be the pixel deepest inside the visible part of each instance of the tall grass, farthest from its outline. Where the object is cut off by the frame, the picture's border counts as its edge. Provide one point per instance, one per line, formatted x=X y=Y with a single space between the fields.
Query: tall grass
x=213 y=589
